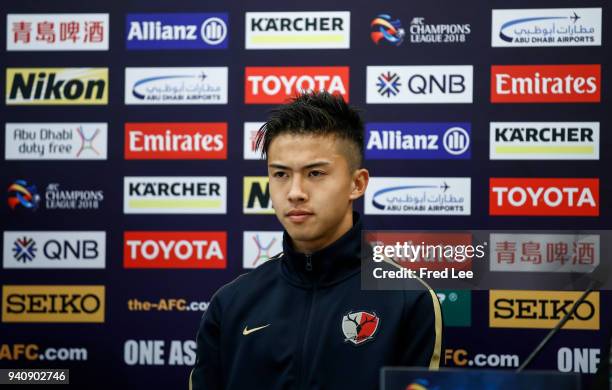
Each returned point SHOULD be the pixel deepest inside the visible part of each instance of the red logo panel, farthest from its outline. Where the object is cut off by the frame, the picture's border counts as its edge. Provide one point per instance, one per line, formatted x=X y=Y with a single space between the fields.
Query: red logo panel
x=545 y=83
x=175 y=250
x=544 y=196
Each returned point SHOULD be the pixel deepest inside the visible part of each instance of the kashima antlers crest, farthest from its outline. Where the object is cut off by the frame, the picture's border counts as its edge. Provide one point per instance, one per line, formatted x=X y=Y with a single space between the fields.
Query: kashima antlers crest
x=359 y=326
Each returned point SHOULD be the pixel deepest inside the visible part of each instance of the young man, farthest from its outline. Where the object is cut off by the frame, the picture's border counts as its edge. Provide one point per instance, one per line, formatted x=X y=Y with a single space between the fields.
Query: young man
x=301 y=320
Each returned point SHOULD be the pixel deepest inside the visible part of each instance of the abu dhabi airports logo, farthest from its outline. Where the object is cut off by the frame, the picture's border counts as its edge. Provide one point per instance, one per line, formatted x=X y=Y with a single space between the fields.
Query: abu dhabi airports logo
x=546 y=27
x=418 y=196
x=388 y=84
x=197 y=85
x=24 y=249
x=23 y=195
x=387 y=30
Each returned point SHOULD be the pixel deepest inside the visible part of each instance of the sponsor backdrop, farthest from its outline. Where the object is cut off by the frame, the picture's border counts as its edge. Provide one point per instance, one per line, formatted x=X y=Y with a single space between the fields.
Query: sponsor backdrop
x=132 y=191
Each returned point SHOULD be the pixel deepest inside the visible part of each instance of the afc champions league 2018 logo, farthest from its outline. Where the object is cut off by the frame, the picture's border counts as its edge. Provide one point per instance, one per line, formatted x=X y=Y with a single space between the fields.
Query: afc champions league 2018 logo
x=359 y=326
x=24 y=195
x=385 y=29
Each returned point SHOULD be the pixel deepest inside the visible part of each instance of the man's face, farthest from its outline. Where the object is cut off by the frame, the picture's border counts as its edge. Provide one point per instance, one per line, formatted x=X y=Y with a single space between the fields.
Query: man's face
x=312 y=188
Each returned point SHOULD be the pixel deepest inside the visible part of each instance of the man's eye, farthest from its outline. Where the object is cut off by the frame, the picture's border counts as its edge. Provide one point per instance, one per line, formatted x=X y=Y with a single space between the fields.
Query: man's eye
x=279 y=174
x=316 y=173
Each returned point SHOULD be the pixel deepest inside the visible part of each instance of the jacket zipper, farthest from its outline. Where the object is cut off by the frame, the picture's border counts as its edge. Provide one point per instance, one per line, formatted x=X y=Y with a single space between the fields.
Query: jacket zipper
x=301 y=376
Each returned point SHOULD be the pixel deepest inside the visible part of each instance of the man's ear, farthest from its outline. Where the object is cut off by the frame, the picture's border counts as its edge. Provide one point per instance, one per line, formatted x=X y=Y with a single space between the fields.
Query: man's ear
x=360 y=180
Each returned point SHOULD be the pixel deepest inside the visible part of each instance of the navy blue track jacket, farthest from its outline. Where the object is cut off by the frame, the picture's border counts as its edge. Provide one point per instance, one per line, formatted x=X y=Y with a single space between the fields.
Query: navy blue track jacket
x=302 y=322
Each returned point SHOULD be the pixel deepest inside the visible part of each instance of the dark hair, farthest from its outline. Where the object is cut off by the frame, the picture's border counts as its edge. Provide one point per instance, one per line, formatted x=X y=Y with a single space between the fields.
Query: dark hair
x=315 y=113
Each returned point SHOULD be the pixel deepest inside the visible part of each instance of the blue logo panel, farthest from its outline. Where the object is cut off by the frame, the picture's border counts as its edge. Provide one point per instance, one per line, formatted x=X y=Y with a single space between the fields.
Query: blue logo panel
x=418 y=140
x=173 y=31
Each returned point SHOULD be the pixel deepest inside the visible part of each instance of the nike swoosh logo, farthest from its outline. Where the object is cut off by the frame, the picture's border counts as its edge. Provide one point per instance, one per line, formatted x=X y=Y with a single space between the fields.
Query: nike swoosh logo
x=247 y=331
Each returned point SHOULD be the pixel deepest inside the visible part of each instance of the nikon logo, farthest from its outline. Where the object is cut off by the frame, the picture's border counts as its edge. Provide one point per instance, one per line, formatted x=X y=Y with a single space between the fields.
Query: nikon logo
x=53 y=303
x=62 y=86
x=542 y=309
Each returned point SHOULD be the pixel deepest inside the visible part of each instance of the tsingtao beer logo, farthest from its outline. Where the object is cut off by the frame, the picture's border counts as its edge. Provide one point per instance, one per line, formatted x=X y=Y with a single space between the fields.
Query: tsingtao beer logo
x=57 y=86
x=46 y=32
x=49 y=303
x=544 y=196
x=176 y=141
x=298 y=30
x=272 y=85
x=175 y=195
x=546 y=83
x=175 y=250
x=539 y=252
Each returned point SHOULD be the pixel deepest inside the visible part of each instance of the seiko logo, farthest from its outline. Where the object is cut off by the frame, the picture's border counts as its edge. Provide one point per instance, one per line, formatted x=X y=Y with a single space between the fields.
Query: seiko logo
x=544 y=134
x=542 y=309
x=174 y=189
x=547 y=309
x=297 y=24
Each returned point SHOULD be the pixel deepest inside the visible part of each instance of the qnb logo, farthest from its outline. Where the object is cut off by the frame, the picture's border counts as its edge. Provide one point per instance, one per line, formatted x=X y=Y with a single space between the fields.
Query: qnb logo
x=544 y=196
x=456 y=141
x=24 y=249
x=545 y=83
x=419 y=84
x=175 y=250
x=21 y=194
x=359 y=326
x=388 y=84
x=386 y=29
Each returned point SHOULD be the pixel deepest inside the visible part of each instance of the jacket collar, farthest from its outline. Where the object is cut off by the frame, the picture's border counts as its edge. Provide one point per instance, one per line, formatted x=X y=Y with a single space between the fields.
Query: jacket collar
x=327 y=266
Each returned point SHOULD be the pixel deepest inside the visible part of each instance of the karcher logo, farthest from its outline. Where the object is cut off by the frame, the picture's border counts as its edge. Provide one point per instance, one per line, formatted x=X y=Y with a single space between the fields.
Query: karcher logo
x=542 y=309
x=257 y=195
x=53 y=303
x=57 y=86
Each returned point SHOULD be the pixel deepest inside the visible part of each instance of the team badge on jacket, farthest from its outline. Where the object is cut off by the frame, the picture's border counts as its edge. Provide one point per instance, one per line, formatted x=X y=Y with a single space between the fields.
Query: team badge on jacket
x=359 y=326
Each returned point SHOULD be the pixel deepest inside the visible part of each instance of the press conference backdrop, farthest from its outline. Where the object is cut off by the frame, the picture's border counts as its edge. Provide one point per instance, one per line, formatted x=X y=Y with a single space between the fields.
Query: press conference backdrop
x=132 y=191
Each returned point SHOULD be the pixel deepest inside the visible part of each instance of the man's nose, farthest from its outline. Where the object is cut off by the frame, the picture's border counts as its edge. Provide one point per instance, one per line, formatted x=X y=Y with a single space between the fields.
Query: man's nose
x=296 y=192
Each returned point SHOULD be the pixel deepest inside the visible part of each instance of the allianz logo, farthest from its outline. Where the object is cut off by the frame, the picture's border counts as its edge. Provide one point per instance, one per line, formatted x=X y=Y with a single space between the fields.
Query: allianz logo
x=455 y=140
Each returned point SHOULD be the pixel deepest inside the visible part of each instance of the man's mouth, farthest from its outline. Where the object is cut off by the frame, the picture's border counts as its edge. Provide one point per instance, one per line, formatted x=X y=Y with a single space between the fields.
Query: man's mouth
x=297 y=215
